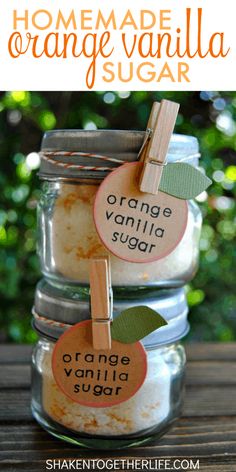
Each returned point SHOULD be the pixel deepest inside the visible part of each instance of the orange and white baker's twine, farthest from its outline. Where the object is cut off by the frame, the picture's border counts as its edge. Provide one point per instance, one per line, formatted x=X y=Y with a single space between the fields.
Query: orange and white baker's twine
x=48 y=156
x=57 y=324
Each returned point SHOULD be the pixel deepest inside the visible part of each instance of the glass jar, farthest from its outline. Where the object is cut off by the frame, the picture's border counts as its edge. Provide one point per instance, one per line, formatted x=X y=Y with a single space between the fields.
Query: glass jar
x=67 y=234
x=145 y=416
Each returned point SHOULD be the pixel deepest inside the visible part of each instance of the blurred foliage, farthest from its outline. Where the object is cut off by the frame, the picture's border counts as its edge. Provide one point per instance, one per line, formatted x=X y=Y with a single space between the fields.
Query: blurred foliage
x=24 y=116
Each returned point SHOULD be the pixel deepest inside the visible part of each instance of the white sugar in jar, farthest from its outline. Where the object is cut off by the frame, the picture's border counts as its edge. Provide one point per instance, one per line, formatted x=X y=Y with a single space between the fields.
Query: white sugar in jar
x=149 y=407
x=67 y=235
x=148 y=414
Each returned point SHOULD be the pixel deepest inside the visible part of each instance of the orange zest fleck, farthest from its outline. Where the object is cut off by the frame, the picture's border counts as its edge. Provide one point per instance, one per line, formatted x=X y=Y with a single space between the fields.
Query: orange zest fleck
x=94 y=250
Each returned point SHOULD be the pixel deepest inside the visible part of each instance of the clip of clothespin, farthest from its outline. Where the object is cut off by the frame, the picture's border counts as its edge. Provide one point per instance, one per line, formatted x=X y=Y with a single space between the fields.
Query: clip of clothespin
x=155 y=156
x=101 y=302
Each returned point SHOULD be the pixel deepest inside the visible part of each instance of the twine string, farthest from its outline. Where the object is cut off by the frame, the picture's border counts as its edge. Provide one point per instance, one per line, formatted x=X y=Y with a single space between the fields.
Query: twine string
x=43 y=319
x=50 y=155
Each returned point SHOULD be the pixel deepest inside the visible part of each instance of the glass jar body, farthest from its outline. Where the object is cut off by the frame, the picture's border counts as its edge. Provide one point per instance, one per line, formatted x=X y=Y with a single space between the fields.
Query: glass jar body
x=68 y=239
x=142 y=418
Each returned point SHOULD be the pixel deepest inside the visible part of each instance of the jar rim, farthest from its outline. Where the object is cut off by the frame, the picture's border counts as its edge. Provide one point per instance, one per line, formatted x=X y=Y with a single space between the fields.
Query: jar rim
x=55 y=335
x=54 y=312
x=70 y=137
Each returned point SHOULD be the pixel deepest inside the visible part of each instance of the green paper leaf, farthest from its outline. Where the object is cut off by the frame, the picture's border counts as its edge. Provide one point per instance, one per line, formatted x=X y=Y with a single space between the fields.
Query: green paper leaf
x=135 y=323
x=183 y=181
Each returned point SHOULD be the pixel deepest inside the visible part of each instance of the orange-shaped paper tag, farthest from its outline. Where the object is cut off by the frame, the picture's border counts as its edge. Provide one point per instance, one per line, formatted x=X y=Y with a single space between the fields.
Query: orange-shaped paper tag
x=97 y=378
x=137 y=226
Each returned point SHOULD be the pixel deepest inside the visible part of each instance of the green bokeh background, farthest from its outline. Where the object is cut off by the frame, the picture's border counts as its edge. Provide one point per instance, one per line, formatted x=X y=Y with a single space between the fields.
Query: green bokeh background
x=24 y=116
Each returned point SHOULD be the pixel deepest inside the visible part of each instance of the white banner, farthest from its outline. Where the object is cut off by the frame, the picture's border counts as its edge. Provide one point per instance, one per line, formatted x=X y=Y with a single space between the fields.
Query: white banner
x=121 y=45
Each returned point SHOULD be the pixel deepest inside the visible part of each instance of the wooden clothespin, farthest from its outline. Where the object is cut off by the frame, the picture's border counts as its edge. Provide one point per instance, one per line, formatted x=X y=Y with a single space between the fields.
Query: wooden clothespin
x=156 y=152
x=101 y=304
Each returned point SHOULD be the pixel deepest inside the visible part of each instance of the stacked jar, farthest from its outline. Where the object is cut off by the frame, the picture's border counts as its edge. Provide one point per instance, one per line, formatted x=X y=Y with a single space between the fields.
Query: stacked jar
x=71 y=175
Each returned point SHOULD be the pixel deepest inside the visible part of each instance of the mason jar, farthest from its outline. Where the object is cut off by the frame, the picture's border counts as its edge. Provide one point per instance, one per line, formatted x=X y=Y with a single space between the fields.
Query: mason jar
x=71 y=175
x=148 y=414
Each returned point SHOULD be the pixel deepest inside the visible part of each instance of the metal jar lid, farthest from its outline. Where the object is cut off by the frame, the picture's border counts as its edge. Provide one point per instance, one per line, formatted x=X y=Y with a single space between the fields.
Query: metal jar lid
x=120 y=144
x=54 y=312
